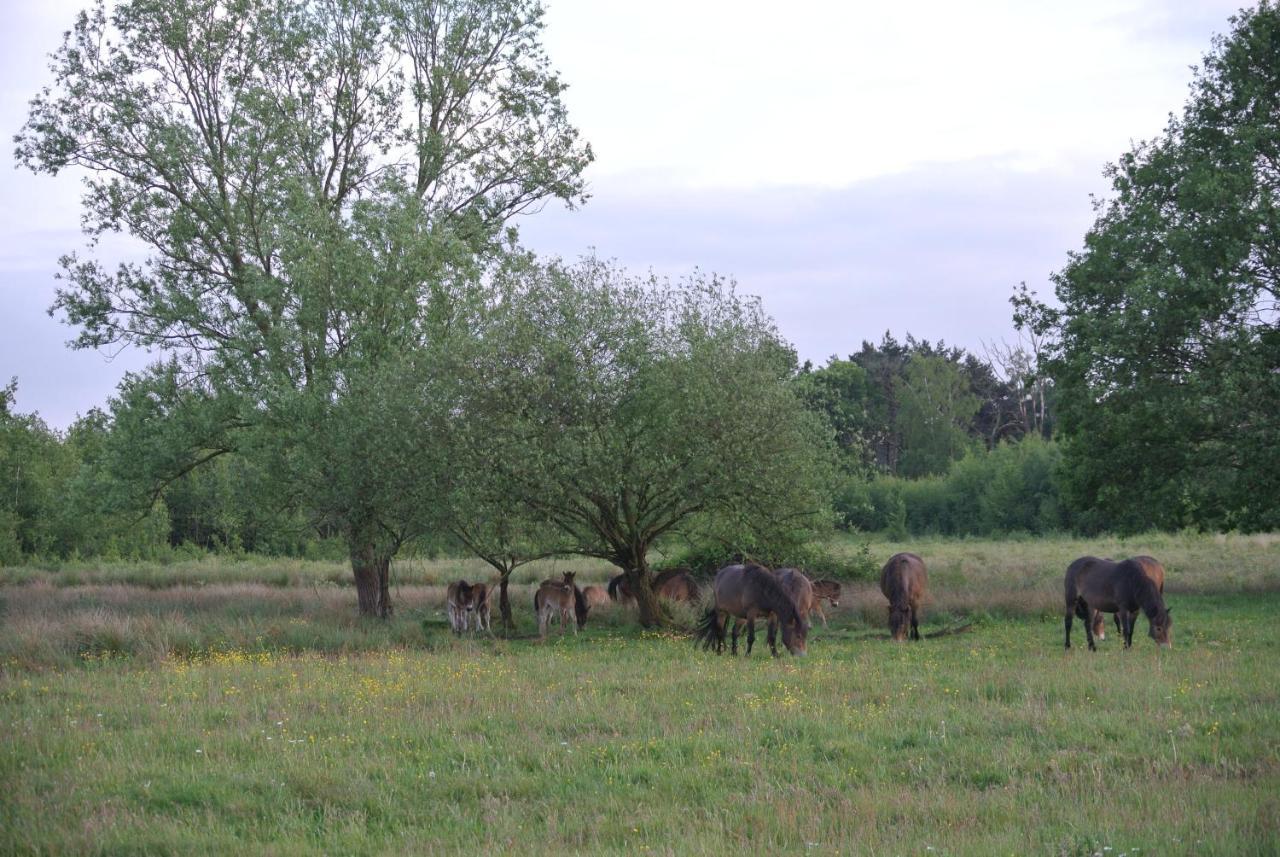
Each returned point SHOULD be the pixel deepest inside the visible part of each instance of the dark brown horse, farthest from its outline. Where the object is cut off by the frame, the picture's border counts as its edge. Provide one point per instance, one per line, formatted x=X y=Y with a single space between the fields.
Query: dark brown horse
x=1154 y=570
x=903 y=581
x=794 y=583
x=828 y=590
x=1122 y=588
x=750 y=592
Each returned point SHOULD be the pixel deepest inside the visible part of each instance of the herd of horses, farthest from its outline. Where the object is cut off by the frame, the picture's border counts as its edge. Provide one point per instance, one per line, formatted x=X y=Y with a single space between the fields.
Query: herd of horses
x=786 y=598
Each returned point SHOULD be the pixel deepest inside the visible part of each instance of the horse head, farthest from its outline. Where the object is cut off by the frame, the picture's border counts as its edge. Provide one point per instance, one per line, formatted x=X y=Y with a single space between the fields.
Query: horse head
x=899 y=621
x=1162 y=628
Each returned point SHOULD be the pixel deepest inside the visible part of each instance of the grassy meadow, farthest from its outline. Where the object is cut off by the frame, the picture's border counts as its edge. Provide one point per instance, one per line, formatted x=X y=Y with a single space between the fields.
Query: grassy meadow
x=207 y=711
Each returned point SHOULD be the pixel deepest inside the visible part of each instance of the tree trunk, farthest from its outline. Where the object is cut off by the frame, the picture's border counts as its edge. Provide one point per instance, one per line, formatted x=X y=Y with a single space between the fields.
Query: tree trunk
x=652 y=612
x=373 y=581
x=504 y=603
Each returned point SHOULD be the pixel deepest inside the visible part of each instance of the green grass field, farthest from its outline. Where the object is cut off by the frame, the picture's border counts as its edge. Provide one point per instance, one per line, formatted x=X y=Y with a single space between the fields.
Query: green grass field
x=233 y=717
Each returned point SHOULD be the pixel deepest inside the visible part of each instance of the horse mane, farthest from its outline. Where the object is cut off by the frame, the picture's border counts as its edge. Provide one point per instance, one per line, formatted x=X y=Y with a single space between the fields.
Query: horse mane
x=1148 y=593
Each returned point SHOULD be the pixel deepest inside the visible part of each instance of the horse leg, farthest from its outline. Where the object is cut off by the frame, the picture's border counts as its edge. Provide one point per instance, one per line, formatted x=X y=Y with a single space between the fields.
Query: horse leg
x=915 y=628
x=734 y=649
x=1066 y=621
x=751 y=634
x=773 y=635
x=1083 y=611
x=1127 y=621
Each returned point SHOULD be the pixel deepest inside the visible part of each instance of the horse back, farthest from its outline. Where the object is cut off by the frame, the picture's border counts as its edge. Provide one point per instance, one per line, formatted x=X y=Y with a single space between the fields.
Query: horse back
x=903 y=578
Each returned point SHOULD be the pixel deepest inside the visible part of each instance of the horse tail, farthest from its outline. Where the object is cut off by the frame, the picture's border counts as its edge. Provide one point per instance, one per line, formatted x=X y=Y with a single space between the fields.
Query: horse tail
x=537 y=599
x=613 y=586
x=708 y=631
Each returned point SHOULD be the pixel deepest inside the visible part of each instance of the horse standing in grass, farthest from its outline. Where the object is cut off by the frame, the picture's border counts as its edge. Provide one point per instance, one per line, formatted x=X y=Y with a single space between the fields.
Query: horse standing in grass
x=595 y=596
x=481 y=594
x=460 y=604
x=1152 y=569
x=828 y=590
x=1122 y=588
x=676 y=584
x=560 y=599
x=750 y=592
x=903 y=581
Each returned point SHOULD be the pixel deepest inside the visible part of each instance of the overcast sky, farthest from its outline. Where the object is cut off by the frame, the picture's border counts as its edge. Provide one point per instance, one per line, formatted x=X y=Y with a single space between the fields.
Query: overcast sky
x=862 y=167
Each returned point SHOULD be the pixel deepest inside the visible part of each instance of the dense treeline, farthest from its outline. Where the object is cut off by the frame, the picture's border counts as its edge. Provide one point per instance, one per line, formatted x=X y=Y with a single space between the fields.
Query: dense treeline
x=358 y=357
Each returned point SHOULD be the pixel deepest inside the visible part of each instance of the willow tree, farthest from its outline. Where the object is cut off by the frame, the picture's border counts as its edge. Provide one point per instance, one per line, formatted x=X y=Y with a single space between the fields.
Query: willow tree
x=317 y=185
x=624 y=411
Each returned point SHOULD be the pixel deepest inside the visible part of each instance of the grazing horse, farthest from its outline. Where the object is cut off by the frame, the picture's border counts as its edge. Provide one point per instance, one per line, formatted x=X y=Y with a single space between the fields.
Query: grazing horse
x=749 y=592
x=1152 y=569
x=465 y=602
x=828 y=590
x=595 y=596
x=1122 y=588
x=796 y=584
x=903 y=581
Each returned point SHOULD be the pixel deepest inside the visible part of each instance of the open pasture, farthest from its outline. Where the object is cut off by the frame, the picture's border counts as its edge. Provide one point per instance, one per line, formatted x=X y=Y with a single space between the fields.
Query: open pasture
x=227 y=717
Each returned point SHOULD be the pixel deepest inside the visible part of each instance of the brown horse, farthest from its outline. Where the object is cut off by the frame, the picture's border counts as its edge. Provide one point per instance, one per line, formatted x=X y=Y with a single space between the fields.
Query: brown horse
x=560 y=599
x=481 y=594
x=828 y=590
x=1152 y=569
x=1122 y=588
x=903 y=581
x=673 y=584
x=749 y=592
x=794 y=583
x=595 y=596
x=676 y=584
x=460 y=604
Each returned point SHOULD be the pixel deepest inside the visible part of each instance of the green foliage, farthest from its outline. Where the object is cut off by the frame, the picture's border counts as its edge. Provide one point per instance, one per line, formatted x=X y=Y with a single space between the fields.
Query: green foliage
x=623 y=411
x=320 y=207
x=1015 y=488
x=1168 y=362
x=936 y=409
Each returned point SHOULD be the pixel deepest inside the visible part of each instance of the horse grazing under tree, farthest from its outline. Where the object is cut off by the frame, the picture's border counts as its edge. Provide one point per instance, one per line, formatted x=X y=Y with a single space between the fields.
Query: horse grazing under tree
x=903 y=581
x=750 y=592
x=1152 y=569
x=560 y=599
x=828 y=590
x=1122 y=588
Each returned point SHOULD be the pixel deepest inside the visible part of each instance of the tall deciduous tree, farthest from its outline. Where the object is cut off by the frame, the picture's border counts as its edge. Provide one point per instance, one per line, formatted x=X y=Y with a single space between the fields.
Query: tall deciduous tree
x=1168 y=358
x=624 y=411
x=936 y=411
x=318 y=185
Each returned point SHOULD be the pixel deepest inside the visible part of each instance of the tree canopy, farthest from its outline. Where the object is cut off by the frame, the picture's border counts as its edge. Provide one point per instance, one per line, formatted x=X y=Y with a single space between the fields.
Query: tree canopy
x=1168 y=356
x=319 y=186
